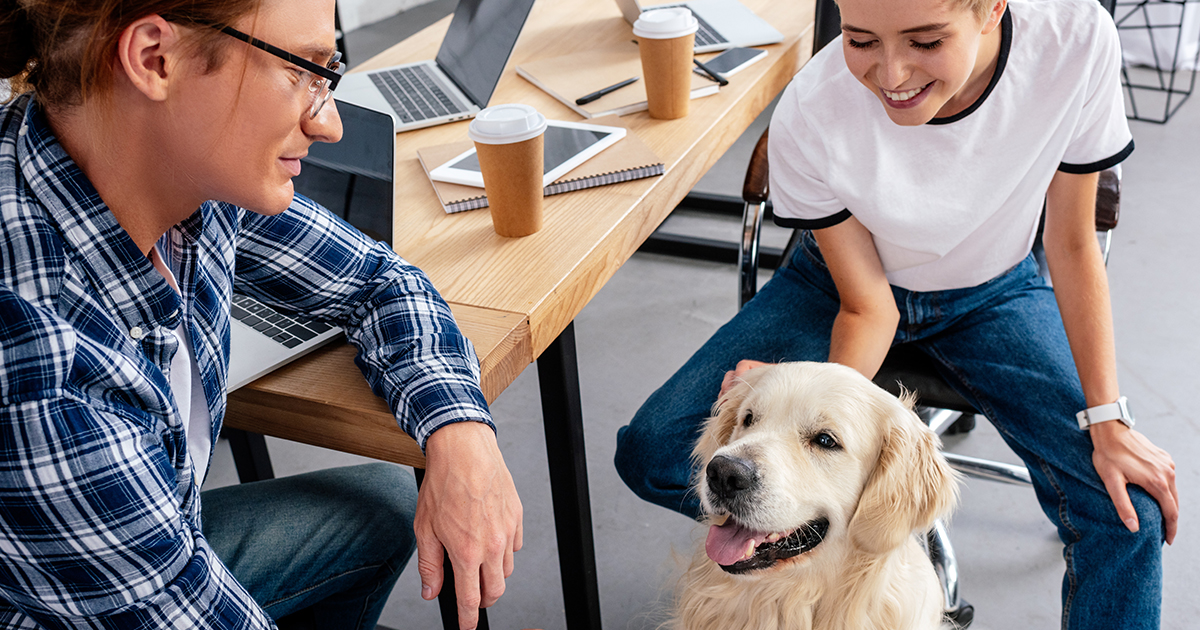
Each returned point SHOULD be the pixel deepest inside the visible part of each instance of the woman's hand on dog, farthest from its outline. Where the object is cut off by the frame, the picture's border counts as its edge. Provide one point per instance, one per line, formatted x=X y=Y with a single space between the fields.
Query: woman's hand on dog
x=1123 y=456
x=732 y=376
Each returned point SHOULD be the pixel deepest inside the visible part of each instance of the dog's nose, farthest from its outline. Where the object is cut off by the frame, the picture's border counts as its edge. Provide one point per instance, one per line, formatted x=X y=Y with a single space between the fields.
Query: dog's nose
x=728 y=476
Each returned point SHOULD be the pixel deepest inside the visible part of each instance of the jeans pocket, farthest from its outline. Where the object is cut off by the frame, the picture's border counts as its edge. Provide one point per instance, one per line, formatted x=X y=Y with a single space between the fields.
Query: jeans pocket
x=809 y=248
x=807 y=265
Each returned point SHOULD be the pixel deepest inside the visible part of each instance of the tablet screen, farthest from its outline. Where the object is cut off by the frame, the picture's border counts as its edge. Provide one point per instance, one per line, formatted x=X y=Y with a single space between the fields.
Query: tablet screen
x=561 y=144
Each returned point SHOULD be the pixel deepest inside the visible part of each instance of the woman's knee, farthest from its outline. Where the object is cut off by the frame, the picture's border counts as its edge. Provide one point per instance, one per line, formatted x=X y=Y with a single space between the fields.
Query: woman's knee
x=635 y=462
x=1150 y=517
x=656 y=469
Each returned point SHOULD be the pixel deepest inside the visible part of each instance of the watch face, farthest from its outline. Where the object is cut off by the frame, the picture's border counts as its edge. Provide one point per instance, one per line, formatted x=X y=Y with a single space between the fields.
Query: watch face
x=1126 y=415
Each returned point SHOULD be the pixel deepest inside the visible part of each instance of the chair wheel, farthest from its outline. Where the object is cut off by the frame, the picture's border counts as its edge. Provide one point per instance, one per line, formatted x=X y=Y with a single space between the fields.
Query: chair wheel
x=963 y=425
x=960 y=618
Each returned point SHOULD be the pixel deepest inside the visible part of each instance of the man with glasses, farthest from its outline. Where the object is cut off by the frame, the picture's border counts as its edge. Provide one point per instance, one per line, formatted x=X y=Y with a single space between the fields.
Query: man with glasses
x=145 y=169
x=322 y=85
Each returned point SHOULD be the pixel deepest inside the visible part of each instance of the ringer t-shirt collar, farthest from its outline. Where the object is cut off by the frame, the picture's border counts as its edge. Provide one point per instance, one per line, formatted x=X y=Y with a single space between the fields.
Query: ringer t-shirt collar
x=1006 y=28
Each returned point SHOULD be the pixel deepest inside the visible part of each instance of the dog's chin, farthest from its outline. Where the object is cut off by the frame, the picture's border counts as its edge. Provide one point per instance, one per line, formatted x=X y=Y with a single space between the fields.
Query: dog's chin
x=768 y=555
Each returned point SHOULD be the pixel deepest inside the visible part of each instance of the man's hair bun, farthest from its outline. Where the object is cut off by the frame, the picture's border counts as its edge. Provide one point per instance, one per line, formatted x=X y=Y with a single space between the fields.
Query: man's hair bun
x=16 y=39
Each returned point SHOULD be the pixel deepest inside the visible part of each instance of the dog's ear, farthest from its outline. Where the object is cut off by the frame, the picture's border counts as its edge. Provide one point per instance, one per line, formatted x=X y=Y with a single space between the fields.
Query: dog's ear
x=719 y=427
x=911 y=486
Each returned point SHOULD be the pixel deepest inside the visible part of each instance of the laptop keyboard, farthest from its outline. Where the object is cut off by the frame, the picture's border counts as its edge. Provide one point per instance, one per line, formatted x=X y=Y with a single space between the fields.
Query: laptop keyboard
x=414 y=93
x=283 y=329
x=706 y=35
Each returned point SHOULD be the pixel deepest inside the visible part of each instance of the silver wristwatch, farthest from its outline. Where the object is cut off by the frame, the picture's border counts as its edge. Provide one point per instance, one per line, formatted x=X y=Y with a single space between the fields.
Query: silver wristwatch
x=1103 y=413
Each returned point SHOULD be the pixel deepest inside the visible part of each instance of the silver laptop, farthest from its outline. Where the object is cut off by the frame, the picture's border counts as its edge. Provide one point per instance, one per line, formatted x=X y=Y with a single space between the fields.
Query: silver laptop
x=723 y=23
x=354 y=180
x=459 y=82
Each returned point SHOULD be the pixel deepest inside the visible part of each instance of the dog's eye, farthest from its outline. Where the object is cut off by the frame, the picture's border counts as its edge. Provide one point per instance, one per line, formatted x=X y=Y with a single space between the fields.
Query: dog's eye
x=825 y=441
x=748 y=419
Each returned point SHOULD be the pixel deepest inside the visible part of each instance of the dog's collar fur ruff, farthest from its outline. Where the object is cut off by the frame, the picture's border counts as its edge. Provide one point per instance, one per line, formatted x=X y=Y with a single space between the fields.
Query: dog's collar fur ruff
x=803 y=540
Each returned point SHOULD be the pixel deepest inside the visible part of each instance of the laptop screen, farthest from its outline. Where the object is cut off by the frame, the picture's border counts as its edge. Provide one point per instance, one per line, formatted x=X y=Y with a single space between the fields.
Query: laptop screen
x=353 y=177
x=482 y=35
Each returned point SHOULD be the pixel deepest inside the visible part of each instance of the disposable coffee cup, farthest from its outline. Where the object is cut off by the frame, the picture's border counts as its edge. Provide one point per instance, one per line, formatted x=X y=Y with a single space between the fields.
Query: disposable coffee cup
x=666 y=38
x=509 y=145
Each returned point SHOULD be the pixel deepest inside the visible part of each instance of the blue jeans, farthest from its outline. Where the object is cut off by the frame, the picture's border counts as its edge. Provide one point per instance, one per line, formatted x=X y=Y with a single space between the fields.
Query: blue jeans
x=324 y=548
x=1003 y=347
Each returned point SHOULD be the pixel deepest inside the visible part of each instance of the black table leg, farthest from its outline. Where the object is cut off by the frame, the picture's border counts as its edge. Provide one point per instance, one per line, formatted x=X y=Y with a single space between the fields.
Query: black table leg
x=562 y=415
x=250 y=455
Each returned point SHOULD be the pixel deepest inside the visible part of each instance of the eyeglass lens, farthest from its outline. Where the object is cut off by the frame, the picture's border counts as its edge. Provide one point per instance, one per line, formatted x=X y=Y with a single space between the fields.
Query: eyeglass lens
x=322 y=85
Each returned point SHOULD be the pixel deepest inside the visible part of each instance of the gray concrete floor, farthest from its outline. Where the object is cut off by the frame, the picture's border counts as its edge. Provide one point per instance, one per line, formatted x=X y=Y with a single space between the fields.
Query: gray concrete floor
x=657 y=310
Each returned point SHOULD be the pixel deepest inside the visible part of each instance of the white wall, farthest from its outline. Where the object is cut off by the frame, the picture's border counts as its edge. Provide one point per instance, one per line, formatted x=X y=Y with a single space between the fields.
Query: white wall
x=356 y=13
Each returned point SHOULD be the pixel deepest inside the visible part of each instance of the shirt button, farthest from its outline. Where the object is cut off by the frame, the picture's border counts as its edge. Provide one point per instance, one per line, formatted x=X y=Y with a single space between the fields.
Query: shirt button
x=22 y=130
x=173 y=313
x=136 y=332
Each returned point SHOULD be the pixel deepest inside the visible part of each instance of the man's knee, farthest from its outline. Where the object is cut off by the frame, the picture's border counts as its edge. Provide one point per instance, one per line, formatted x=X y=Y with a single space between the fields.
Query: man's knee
x=384 y=500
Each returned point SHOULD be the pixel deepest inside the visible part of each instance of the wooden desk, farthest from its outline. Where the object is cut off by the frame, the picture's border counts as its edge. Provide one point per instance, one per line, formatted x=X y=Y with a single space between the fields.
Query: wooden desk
x=323 y=399
x=516 y=298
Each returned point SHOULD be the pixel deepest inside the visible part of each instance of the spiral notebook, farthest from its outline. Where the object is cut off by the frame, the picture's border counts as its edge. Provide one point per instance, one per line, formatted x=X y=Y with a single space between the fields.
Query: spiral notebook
x=627 y=160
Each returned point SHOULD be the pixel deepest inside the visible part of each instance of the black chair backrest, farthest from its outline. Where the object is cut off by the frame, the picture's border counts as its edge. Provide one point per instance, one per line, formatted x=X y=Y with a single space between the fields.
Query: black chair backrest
x=827 y=24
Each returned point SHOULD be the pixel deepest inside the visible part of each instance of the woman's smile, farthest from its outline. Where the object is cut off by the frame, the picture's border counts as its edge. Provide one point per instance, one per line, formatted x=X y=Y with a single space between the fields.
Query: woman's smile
x=908 y=98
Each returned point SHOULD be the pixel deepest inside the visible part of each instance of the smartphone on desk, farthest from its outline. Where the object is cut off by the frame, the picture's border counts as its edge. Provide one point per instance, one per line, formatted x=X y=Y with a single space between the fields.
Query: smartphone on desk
x=732 y=60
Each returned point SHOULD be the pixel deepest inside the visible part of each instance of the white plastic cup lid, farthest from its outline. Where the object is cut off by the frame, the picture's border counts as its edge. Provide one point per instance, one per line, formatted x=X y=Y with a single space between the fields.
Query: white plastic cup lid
x=505 y=124
x=665 y=23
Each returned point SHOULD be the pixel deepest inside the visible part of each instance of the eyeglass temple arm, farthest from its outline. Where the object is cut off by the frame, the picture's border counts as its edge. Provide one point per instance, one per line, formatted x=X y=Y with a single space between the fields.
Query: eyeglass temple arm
x=332 y=76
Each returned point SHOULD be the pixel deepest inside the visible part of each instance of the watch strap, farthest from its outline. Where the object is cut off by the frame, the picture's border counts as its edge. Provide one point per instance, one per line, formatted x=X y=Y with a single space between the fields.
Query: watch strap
x=1103 y=413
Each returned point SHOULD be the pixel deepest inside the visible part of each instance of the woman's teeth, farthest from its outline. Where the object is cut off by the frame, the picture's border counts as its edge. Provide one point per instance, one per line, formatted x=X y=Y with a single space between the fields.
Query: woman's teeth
x=904 y=96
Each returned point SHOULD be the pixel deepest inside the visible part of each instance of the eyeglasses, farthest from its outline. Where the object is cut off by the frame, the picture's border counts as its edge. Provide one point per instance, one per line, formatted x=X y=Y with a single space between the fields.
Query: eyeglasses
x=322 y=85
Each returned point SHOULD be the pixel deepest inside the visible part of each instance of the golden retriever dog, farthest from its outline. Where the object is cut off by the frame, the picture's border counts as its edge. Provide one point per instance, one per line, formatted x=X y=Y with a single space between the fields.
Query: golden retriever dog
x=816 y=483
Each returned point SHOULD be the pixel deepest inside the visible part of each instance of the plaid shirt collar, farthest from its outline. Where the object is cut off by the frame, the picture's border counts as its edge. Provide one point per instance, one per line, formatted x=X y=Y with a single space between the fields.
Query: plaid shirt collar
x=123 y=276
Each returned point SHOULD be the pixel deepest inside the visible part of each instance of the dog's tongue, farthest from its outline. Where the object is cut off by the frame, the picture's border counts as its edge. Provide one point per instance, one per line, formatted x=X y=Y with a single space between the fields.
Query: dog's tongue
x=727 y=543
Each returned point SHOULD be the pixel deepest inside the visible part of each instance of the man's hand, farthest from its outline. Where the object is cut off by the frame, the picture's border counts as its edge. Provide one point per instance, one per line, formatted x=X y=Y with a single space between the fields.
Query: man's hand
x=468 y=506
x=1124 y=456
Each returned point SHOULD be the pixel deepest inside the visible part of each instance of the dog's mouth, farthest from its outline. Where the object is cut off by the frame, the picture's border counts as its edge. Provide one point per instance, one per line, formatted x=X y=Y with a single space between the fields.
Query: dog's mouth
x=738 y=549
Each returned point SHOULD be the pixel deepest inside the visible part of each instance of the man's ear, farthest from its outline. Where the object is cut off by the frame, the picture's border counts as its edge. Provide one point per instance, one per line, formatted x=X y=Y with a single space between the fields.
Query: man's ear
x=148 y=53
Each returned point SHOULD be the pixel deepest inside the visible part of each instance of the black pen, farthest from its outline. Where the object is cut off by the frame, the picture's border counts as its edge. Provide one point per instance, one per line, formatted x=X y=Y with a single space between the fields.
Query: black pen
x=588 y=98
x=715 y=77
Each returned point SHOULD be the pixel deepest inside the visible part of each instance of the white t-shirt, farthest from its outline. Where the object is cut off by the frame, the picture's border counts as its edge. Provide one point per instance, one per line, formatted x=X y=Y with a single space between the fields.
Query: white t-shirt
x=188 y=388
x=957 y=201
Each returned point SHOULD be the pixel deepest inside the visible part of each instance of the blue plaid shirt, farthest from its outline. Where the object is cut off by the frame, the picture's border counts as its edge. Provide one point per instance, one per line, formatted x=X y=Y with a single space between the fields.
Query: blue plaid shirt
x=99 y=508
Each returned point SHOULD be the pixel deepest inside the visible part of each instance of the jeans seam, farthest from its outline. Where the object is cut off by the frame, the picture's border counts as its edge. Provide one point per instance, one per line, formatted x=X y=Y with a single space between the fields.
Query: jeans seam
x=1068 y=555
x=366 y=600
x=1069 y=549
x=320 y=584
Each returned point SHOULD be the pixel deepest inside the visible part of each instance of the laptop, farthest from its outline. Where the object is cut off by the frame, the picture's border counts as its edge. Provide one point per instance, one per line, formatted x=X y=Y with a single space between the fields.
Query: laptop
x=353 y=179
x=455 y=85
x=738 y=25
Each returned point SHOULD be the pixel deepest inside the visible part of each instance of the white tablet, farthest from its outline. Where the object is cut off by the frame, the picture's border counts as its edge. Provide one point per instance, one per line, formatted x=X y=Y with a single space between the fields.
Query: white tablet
x=567 y=145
